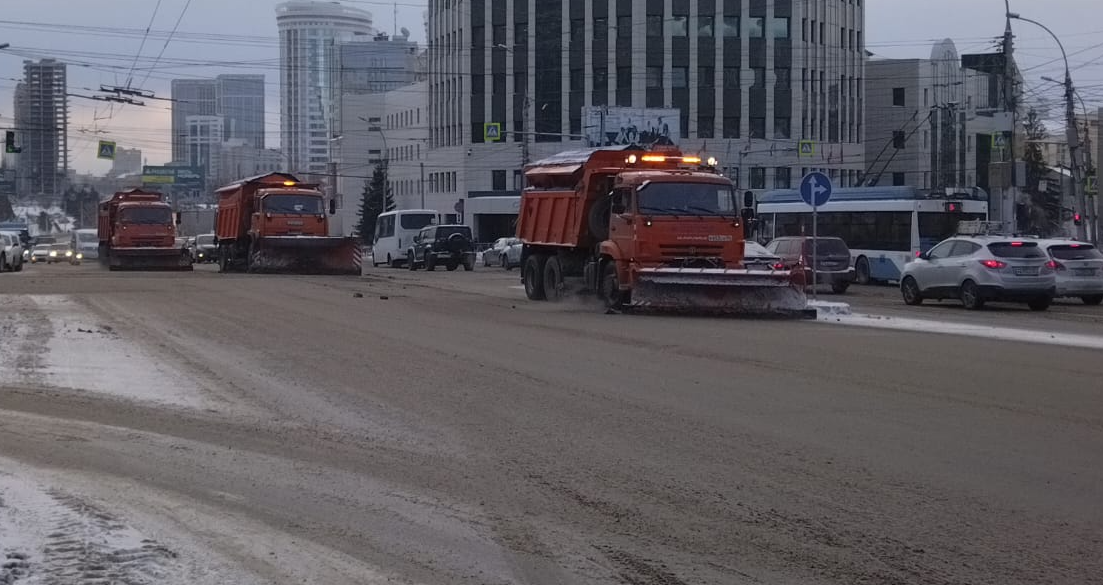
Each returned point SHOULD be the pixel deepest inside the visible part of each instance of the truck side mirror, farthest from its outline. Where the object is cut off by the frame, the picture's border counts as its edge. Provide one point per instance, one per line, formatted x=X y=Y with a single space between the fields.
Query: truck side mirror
x=333 y=207
x=748 y=199
x=179 y=219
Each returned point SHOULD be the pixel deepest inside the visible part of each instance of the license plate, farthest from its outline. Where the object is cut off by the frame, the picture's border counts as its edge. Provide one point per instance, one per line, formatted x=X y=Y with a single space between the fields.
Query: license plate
x=1083 y=272
x=1026 y=271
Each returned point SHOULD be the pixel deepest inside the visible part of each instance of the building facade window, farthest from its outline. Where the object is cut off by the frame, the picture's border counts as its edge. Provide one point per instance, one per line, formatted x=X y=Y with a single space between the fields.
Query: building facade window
x=898 y=97
x=758 y=177
x=779 y=27
x=758 y=128
x=679 y=77
x=679 y=26
x=654 y=77
x=782 y=178
x=756 y=27
x=706 y=26
x=731 y=26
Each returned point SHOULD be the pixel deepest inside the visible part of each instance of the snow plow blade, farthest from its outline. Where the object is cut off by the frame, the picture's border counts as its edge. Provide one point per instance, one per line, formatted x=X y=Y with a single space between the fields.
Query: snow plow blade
x=307 y=255
x=716 y=290
x=148 y=259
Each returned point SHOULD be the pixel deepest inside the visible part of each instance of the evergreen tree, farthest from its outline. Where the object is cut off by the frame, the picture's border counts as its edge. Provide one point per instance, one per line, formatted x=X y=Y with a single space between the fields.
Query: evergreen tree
x=376 y=199
x=6 y=211
x=1043 y=212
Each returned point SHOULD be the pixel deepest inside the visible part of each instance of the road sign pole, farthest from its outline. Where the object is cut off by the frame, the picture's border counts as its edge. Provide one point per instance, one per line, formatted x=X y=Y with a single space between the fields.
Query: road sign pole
x=815 y=234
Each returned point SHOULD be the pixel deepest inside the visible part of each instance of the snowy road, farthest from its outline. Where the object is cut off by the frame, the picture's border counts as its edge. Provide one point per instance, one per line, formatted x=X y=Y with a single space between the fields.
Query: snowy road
x=436 y=428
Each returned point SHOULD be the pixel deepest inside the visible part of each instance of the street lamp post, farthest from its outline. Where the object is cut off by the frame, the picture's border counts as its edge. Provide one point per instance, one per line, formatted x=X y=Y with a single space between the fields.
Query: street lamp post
x=1072 y=133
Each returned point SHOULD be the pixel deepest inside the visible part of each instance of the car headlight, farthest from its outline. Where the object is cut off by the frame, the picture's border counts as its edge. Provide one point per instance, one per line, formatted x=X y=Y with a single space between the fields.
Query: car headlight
x=68 y=253
x=53 y=254
x=80 y=256
x=201 y=254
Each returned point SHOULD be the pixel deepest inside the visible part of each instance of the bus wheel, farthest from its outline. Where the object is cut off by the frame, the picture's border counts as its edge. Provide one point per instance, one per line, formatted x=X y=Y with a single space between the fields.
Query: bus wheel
x=861 y=268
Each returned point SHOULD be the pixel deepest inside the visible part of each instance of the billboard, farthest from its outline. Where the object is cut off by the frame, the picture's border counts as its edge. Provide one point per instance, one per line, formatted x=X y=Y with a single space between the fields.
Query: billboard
x=643 y=126
x=186 y=177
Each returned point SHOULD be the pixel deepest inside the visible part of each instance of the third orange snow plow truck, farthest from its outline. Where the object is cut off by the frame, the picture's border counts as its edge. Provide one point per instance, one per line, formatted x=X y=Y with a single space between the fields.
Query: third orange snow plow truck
x=275 y=223
x=137 y=230
x=643 y=228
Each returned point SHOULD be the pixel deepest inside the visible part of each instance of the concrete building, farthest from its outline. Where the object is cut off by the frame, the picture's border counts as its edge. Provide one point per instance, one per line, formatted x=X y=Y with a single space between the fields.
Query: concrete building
x=750 y=78
x=42 y=125
x=386 y=129
x=128 y=161
x=204 y=145
x=238 y=99
x=238 y=159
x=931 y=123
x=310 y=33
x=379 y=65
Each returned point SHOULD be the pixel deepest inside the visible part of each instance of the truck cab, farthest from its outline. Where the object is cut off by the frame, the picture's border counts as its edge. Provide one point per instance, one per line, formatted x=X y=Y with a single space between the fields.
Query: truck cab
x=289 y=212
x=143 y=224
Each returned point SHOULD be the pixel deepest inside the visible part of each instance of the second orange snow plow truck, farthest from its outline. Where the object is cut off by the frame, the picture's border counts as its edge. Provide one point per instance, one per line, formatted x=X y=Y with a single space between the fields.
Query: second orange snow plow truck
x=643 y=228
x=275 y=223
x=137 y=230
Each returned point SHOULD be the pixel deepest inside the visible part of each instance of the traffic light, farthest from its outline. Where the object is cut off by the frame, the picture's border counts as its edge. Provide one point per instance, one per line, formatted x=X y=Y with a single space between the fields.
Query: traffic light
x=9 y=143
x=1076 y=218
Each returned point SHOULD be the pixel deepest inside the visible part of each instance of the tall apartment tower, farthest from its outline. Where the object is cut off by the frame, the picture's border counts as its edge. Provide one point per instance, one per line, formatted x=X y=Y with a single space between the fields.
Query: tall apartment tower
x=310 y=35
x=750 y=78
x=42 y=123
x=239 y=99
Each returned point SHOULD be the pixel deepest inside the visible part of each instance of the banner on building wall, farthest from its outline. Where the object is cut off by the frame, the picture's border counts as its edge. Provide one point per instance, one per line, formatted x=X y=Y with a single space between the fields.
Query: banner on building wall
x=187 y=177
x=606 y=126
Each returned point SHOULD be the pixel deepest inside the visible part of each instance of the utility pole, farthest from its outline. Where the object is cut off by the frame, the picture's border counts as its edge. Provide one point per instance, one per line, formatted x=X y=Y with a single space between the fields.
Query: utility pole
x=1007 y=197
x=422 y=185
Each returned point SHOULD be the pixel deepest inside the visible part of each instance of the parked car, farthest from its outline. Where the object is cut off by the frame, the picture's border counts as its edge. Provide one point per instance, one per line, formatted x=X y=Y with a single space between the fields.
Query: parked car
x=978 y=269
x=1079 y=267
x=832 y=259
x=504 y=252
x=40 y=253
x=11 y=253
x=205 y=248
x=757 y=257
x=450 y=245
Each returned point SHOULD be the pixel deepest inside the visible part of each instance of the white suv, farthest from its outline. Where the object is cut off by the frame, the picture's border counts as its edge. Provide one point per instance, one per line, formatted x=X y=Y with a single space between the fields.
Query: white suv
x=1079 y=269
x=977 y=269
x=11 y=253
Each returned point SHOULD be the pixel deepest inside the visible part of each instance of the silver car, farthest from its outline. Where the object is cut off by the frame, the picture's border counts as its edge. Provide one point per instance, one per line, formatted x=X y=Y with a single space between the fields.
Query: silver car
x=977 y=269
x=1079 y=269
x=504 y=252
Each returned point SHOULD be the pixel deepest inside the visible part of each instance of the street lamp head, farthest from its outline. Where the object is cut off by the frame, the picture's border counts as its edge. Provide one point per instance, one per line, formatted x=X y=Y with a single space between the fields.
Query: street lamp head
x=4 y=46
x=1013 y=15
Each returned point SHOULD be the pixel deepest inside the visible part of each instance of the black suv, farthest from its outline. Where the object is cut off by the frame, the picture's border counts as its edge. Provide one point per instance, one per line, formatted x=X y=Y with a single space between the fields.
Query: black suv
x=450 y=245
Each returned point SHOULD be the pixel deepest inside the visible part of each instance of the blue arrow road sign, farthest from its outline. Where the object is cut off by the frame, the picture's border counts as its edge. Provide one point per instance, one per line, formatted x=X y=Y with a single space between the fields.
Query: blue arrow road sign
x=815 y=189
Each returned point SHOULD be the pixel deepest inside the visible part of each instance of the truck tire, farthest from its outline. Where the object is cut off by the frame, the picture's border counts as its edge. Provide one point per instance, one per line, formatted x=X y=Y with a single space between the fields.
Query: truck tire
x=610 y=292
x=452 y=266
x=533 y=277
x=553 y=280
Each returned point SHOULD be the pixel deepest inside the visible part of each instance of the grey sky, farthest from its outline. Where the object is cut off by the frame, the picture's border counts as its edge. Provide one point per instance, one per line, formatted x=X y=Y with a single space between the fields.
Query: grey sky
x=220 y=36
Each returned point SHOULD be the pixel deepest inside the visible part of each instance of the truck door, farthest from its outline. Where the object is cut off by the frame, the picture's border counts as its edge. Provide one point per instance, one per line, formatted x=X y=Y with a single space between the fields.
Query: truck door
x=621 y=220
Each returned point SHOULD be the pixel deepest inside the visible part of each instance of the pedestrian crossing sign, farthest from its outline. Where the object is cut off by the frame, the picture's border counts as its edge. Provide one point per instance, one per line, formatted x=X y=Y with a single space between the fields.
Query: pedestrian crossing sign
x=806 y=148
x=1091 y=186
x=999 y=141
x=106 y=150
x=492 y=132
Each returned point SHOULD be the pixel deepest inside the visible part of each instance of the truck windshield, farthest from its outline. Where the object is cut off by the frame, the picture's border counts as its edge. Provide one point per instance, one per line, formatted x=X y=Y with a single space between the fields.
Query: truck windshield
x=207 y=240
x=295 y=204
x=686 y=199
x=146 y=215
x=87 y=238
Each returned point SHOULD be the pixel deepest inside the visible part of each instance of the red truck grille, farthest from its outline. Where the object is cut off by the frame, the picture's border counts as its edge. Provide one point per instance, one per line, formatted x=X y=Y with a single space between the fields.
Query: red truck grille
x=146 y=242
x=703 y=251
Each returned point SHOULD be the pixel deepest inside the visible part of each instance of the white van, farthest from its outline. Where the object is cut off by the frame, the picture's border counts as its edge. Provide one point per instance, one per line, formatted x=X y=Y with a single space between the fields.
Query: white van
x=85 y=242
x=394 y=230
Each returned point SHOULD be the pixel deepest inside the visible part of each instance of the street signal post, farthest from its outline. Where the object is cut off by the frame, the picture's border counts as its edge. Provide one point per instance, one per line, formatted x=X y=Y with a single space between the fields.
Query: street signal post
x=9 y=143
x=815 y=190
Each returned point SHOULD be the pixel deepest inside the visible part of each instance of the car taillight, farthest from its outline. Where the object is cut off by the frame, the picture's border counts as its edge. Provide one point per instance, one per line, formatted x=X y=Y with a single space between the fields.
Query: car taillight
x=918 y=253
x=993 y=264
x=778 y=266
x=1055 y=265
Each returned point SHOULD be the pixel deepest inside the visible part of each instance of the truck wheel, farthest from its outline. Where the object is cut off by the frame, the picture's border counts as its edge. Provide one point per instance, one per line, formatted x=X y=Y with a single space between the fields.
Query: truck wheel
x=533 y=277
x=553 y=280
x=452 y=266
x=611 y=294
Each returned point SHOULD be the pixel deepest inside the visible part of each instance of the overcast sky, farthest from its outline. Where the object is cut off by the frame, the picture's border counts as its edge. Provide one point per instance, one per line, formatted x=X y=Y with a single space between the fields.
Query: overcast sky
x=239 y=36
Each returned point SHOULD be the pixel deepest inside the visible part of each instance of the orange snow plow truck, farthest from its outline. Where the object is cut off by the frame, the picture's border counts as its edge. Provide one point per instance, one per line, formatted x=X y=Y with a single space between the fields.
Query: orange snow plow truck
x=644 y=228
x=137 y=231
x=275 y=223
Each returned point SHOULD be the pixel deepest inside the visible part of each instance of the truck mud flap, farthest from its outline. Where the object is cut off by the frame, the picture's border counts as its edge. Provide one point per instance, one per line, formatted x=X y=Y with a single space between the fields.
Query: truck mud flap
x=730 y=292
x=306 y=255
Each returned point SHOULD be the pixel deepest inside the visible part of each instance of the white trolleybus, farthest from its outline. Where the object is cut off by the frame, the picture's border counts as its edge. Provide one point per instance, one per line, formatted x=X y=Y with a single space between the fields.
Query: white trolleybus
x=884 y=227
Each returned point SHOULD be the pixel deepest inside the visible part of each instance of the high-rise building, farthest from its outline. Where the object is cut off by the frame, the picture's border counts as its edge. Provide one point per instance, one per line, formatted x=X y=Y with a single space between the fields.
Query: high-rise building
x=750 y=80
x=204 y=142
x=42 y=125
x=239 y=99
x=310 y=33
x=381 y=64
x=128 y=161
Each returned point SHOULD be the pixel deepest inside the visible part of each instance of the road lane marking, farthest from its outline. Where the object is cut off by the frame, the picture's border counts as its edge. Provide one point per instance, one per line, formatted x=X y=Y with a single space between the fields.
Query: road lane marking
x=966 y=329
